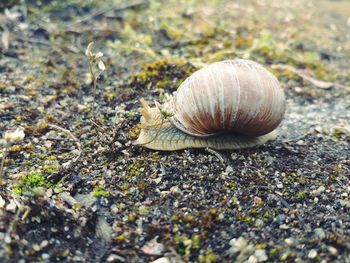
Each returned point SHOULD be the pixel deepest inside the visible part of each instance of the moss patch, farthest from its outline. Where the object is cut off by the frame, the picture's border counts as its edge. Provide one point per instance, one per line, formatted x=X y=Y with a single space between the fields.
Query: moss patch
x=100 y=191
x=29 y=182
x=162 y=74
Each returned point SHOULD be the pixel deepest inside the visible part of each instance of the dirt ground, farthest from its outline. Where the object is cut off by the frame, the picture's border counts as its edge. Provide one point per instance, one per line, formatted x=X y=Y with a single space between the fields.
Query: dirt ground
x=76 y=189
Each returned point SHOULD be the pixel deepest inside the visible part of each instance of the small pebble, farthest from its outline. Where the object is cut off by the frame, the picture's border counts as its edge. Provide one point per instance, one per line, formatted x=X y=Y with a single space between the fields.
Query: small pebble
x=161 y=260
x=11 y=207
x=114 y=209
x=259 y=223
x=319 y=190
x=284 y=226
x=290 y=241
x=44 y=243
x=153 y=248
x=312 y=254
x=229 y=169
x=260 y=255
x=280 y=219
x=36 y=247
x=333 y=251
x=2 y=202
x=298 y=89
x=319 y=232
x=300 y=142
x=115 y=258
x=7 y=239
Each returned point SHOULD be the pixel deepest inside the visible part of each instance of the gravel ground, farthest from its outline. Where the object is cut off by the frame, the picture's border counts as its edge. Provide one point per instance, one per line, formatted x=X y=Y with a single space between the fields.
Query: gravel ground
x=77 y=190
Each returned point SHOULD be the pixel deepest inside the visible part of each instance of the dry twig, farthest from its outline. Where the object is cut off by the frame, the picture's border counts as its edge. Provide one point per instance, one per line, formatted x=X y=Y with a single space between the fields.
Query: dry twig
x=218 y=155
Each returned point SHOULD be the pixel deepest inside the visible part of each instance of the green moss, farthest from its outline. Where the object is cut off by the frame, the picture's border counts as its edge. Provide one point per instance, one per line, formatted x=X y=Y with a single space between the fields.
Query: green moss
x=196 y=241
x=230 y=185
x=121 y=238
x=301 y=195
x=132 y=217
x=3 y=86
x=136 y=169
x=184 y=245
x=99 y=191
x=135 y=131
x=273 y=251
x=162 y=74
x=30 y=78
x=110 y=96
x=19 y=118
x=266 y=47
x=301 y=180
x=244 y=41
x=42 y=125
x=125 y=188
x=29 y=182
x=22 y=148
x=52 y=158
x=208 y=257
x=143 y=210
x=248 y=220
x=261 y=246
x=210 y=218
x=52 y=168
x=338 y=133
x=133 y=171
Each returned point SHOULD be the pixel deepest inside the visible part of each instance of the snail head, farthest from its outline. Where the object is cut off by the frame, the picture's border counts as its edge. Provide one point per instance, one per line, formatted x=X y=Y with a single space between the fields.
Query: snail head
x=153 y=116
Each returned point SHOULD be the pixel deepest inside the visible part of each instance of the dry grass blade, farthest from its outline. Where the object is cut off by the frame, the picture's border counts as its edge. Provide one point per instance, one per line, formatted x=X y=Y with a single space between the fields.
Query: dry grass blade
x=318 y=83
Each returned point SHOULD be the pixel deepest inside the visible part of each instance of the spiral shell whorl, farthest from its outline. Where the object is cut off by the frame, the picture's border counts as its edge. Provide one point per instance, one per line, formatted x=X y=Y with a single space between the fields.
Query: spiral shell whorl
x=229 y=96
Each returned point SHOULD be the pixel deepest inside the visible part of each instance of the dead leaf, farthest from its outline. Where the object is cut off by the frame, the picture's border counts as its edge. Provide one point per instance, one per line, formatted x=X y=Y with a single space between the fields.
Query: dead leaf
x=48 y=144
x=6 y=106
x=153 y=248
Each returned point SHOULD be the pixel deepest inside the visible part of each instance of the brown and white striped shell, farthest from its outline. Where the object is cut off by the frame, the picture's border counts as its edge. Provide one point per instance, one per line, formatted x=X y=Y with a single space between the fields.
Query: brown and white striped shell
x=229 y=96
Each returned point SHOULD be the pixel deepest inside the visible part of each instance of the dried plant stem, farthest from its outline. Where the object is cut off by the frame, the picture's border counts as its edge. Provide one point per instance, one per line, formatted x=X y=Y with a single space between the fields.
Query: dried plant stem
x=218 y=155
x=3 y=163
x=94 y=83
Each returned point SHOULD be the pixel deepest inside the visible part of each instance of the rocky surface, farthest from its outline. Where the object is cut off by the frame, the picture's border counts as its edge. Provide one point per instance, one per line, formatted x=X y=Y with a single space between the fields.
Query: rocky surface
x=77 y=190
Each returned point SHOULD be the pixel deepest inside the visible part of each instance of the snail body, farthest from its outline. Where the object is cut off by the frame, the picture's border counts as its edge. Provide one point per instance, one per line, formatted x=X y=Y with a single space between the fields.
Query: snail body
x=231 y=104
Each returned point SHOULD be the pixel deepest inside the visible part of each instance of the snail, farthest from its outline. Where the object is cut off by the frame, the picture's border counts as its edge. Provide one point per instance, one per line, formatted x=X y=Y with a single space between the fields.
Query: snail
x=232 y=104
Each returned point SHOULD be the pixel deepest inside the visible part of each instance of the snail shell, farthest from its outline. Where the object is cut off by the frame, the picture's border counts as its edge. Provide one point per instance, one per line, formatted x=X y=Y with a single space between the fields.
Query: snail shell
x=232 y=95
x=237 y=101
